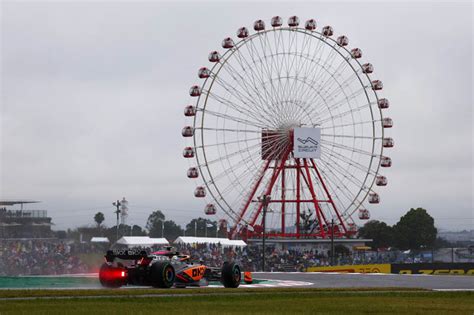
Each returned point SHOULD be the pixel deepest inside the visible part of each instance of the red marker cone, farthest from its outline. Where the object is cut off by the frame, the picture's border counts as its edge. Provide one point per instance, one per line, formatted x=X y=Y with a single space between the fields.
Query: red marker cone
x=248 y=277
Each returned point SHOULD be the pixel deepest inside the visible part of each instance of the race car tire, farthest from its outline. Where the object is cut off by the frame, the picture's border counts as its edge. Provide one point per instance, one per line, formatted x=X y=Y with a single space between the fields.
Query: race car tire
x=231 y=275
x=105 y=280
x=162 y=275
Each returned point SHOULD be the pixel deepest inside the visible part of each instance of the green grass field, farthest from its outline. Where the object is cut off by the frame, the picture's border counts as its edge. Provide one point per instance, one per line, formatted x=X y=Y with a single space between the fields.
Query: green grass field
x=241 y=301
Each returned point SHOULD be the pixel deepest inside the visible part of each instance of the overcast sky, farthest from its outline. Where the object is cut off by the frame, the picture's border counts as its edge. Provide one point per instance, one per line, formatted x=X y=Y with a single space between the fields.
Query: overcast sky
x=92 y=96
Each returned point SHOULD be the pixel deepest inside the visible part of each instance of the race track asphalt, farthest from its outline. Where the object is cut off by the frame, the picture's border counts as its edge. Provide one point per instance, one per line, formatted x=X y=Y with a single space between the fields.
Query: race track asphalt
x=277 y=279
x=351 y=280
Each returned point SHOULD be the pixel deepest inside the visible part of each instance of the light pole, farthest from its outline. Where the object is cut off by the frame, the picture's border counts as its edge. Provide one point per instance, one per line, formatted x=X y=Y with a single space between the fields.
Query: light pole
x=332 y=242
x=265 y=200
x=117 y=204
x=162 y=227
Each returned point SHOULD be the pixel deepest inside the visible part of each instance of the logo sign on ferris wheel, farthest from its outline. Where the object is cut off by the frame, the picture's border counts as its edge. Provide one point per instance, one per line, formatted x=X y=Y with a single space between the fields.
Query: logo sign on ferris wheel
x=306 y=143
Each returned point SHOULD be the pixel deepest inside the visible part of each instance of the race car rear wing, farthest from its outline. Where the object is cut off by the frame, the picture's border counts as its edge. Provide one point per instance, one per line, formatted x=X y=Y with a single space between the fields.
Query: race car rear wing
x=126 y=254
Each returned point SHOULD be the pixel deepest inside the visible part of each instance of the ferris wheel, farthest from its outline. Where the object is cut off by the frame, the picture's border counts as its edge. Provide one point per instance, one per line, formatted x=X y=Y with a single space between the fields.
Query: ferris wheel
x=289 y=112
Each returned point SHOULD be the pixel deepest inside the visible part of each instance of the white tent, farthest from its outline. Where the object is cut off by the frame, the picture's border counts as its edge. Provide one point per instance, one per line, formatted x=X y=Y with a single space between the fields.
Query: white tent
x=209 y=240
x=100 y=240
x=236 y=243
x=144 y=241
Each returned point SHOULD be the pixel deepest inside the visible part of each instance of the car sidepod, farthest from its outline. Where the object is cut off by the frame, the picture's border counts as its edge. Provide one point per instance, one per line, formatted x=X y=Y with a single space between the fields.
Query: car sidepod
x=191 y=274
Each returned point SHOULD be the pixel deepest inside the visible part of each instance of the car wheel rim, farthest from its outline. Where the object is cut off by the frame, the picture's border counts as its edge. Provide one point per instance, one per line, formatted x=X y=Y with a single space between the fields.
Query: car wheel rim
x=169 y=274
x=236 y=274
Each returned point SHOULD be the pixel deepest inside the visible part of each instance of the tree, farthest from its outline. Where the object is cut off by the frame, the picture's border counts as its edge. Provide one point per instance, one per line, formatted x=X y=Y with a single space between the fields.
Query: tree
x=172 y=230
x=99 y=218
x=155 y=223
x=199 y=224
x=222 y=231
x=415 y=230
x=379 y=232
x=124 y=230
x=136 y=230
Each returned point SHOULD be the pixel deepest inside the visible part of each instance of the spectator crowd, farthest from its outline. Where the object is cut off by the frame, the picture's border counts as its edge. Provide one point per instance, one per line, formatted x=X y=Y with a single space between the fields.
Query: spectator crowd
x=250 y=257
x=54 y=257
x=38 y=257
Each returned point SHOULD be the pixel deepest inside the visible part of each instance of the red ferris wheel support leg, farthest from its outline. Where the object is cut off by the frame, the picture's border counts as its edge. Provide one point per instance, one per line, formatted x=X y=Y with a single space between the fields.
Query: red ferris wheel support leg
x=329 y=197
x=315 y=199
x=251 y=196
x=281 y=166
x=298 y=197
x=304 y=176
x=283 y=201
x=322 y=213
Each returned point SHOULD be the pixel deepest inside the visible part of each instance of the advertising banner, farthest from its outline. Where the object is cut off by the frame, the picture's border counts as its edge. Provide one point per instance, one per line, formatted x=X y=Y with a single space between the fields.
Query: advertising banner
x=435 y=269
x=307 y=143
x=423 y=268
x=375 y=268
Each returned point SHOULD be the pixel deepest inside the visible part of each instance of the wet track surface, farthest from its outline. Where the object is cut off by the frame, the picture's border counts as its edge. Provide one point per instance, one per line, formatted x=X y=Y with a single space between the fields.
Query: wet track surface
x=275 y=279
x=348 y=280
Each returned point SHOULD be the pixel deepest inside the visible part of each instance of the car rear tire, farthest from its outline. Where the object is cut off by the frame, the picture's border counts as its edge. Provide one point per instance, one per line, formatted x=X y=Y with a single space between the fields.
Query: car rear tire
x=104 y=277
x=162 y=274
x=231 y=275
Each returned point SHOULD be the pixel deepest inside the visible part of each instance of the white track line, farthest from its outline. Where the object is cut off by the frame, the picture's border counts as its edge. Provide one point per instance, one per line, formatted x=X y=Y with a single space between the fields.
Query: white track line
x=454 y=290
x=272 y=284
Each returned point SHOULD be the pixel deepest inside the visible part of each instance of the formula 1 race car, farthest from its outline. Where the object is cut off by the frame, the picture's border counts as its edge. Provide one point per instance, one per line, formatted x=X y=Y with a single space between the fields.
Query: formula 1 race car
x=163 y=269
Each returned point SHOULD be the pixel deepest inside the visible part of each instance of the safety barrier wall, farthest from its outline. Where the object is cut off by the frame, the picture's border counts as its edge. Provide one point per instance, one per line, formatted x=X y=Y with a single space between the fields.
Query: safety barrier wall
x=424 y=268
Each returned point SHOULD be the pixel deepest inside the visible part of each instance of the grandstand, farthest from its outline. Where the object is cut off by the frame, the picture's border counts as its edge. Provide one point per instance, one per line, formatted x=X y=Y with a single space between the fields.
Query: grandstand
x=20 y=223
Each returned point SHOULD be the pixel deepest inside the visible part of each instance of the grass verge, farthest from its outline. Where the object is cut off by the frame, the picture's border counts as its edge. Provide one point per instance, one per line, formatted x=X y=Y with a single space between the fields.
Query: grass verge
x=13 y=293
x=243 y=301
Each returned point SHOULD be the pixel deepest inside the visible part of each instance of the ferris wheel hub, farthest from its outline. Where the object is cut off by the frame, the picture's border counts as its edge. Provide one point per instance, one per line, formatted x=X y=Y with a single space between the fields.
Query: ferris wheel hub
x=289 y=125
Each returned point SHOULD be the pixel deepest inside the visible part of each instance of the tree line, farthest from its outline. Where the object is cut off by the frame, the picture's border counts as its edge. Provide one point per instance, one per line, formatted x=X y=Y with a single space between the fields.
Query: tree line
x=415 y=230
x=156 y=226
